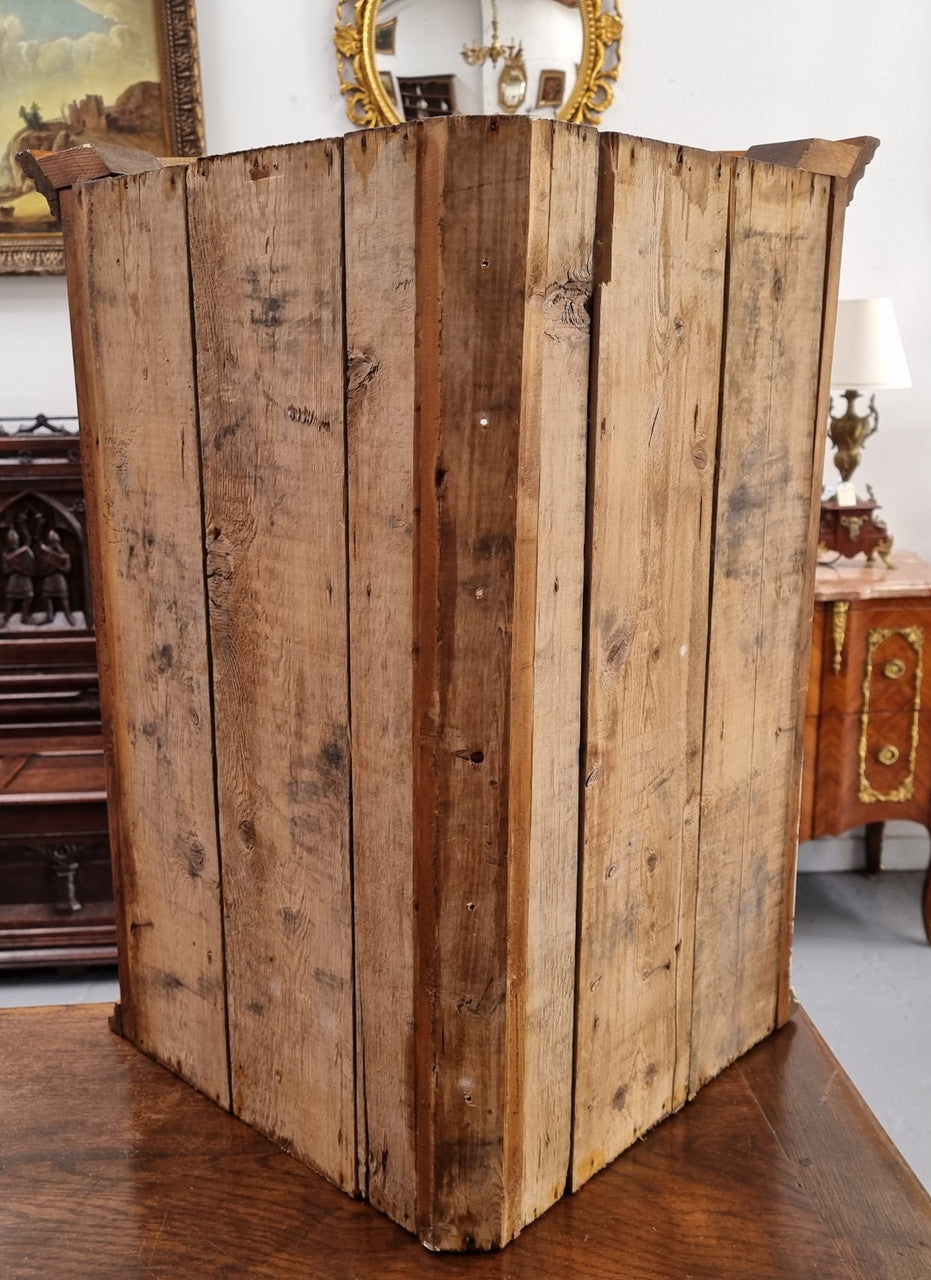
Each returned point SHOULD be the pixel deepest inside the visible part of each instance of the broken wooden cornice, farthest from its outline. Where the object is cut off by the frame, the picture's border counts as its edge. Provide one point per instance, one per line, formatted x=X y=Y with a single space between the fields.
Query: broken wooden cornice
x=54 y=171
x=846 y=158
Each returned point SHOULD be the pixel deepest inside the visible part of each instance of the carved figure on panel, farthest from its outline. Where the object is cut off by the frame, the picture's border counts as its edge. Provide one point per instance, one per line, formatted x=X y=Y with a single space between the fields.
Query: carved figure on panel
x=19 y=567
x=41 y=544
x=54 y=564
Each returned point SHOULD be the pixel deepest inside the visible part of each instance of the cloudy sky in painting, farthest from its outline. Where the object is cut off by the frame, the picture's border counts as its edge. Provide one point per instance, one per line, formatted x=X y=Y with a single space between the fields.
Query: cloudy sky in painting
x=55 y=51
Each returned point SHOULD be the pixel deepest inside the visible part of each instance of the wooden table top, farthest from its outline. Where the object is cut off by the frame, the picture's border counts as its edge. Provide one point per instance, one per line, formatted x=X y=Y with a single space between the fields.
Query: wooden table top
x=857 y=580
x=111 y=1169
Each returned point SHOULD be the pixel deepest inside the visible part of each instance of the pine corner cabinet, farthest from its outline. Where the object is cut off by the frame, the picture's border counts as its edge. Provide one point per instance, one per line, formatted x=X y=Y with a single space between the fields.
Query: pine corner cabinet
x=868 y=719
x=422 y=465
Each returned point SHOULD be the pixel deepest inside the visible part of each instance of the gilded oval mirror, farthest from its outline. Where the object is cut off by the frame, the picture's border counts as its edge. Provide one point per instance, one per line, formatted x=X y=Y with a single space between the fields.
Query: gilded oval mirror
x=411 y=59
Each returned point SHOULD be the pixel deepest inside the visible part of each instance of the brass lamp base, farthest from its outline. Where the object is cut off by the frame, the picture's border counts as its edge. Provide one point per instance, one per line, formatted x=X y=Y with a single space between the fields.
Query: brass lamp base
x=850 y=530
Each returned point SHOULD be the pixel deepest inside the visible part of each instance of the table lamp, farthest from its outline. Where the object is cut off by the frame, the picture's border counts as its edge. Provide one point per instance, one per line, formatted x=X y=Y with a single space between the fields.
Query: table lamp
x=868 y=357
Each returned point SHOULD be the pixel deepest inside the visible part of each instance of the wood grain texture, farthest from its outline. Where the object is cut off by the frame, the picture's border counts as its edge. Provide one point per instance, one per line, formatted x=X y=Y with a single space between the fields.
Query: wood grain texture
x=760 y=614
x=270 y=379
x=845 y=158
x=659 y=320
x=490 y=726
x=776 y=1171
x=54 y=171
x=129 y=290
x=556 y=359
x=391 y=326
x=381 y=334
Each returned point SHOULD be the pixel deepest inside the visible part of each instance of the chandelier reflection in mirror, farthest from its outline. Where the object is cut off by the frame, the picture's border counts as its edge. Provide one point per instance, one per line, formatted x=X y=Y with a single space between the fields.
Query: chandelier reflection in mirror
x=397 y=59
x=476 y=57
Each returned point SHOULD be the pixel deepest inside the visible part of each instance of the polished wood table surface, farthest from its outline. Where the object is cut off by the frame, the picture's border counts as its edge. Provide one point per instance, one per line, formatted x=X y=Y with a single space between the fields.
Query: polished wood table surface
x=111 y=1168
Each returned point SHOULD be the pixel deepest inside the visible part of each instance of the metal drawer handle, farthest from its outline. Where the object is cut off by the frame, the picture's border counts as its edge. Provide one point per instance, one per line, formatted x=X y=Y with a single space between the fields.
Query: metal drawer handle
x=894 y=669
x=887 y=754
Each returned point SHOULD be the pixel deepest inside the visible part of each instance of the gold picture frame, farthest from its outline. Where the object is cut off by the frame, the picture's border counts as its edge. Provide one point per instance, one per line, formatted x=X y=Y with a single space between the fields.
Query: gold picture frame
x=34 y=246
x=367 y=104
x=552 y=89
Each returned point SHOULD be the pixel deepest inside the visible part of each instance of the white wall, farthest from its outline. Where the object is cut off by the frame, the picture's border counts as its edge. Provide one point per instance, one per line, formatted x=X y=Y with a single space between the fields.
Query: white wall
x=736 y=72
x=722 y=75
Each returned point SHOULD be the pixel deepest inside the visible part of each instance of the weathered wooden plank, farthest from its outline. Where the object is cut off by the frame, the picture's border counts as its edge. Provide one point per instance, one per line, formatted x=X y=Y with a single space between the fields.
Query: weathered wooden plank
x=271 y=374
x=381 y=333
x=760 y=611
x=471 y=294
x=841 y=195
x=485 y=1026
x=557 y=348
x=659 y=319
x=129 y=290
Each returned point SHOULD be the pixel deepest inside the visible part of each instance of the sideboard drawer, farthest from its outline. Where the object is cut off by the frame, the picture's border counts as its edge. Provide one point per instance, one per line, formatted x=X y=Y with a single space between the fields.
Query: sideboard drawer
x=868 y=721
x=877 y=654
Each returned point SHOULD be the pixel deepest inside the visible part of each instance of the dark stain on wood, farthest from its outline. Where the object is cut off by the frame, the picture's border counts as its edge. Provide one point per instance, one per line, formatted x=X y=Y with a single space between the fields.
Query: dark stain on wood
x=617 y=651
x=164 y=659
x=169 y=982
x=224 y=434
x=334 y=754
x=493 y=546
x=268 y=314
x=196 y=859
x=290 y=920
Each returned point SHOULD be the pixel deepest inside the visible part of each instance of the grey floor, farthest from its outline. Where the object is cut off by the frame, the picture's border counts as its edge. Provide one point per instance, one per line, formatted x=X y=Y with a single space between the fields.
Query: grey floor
x=861 y=967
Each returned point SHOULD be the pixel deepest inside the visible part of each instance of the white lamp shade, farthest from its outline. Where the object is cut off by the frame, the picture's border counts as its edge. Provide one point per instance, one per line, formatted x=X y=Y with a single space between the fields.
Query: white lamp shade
x=868 y=352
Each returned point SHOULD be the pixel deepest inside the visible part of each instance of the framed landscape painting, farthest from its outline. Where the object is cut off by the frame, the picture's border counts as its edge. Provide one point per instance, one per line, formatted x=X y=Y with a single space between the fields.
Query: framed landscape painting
x=76 y=71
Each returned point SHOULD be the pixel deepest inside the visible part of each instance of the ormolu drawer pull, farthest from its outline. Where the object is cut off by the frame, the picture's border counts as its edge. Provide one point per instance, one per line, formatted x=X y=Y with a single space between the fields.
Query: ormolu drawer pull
x=894 y=669
x=887 y=754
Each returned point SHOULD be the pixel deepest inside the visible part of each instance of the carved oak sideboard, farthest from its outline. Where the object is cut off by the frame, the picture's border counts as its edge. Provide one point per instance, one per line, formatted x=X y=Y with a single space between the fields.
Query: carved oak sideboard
x=868 y=724
x=55 y=885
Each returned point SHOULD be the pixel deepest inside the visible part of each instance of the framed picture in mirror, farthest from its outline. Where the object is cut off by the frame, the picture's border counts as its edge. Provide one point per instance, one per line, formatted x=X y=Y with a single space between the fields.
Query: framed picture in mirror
x=552 y=89
x=385 y=34
x=387 y=81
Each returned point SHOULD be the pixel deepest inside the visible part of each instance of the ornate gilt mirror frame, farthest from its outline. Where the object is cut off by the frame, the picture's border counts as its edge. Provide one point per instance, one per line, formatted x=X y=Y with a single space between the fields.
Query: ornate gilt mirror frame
x=368 y=105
